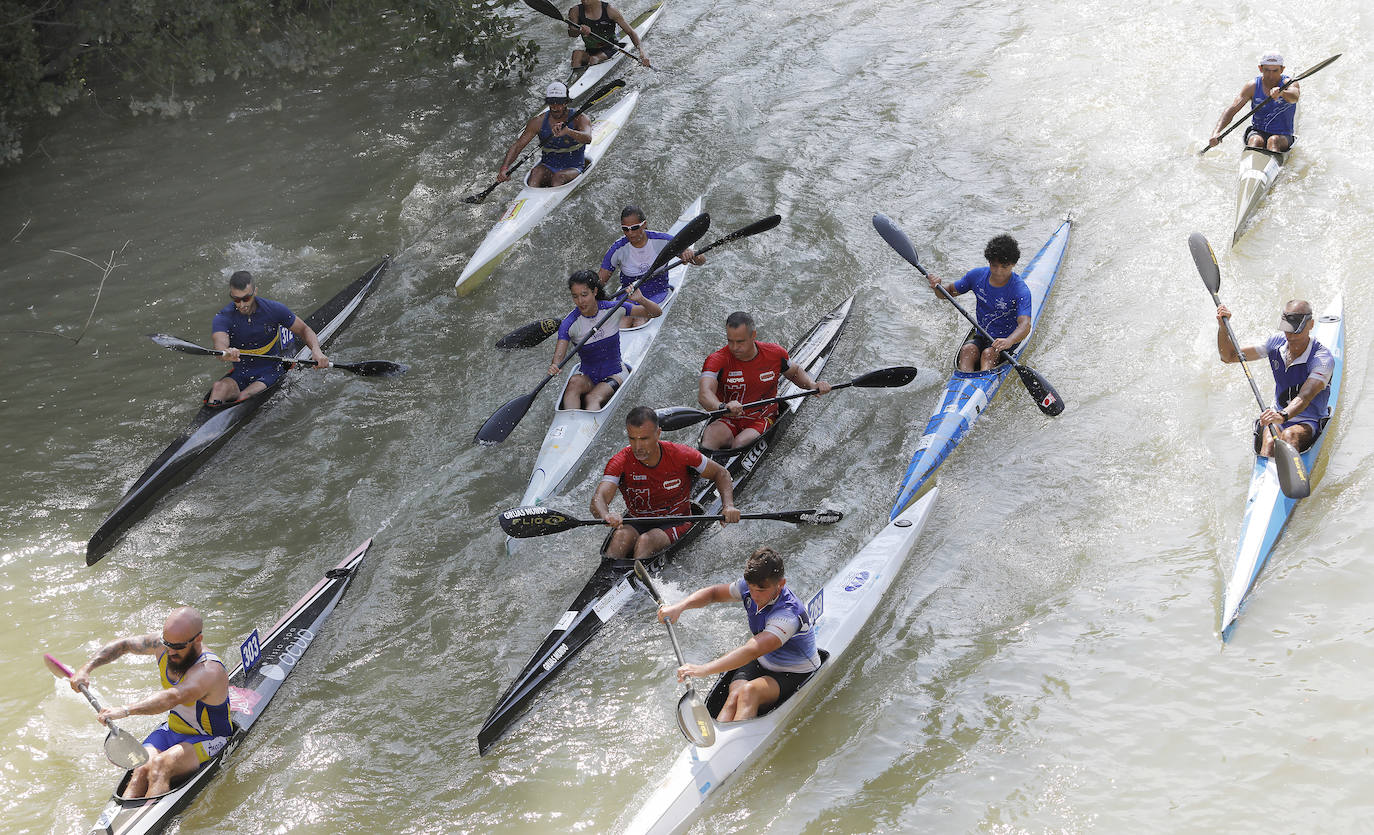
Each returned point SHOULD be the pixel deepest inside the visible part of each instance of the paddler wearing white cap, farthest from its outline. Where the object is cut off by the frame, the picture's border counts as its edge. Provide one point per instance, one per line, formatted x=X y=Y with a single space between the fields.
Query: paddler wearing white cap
x=562 y=146
x=1271 y=126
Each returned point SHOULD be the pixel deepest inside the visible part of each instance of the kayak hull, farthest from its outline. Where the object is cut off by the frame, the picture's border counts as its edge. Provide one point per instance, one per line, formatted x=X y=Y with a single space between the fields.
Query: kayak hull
x=1259 y=168
x=579 y=84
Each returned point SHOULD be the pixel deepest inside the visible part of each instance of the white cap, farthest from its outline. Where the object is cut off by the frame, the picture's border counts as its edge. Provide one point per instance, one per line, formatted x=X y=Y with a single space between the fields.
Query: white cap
x=1271 y=59
x=556 y=90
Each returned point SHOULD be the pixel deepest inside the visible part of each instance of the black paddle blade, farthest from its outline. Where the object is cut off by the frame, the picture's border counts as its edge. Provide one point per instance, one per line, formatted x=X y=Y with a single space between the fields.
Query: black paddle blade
x=525 y=522
x=894 y=377
x=1315 y=68
x=770 y=222
x=821 y=517
x=499 y=426
x=528 y=336
x=897 y=239
x=1206 y=262
x=1292 y=474
x=169 y=341
x=642 y=574
x=1046 y=398
x=544 y=7
x=597 y=95
x=373 y=368
x=686 y=236
x=680 y=417
x=481 y=195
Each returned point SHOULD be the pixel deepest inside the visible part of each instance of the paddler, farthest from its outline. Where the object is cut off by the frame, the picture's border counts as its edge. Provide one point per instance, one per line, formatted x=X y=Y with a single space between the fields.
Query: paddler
x=195 y=688
x=1302 y=369
x=744 y=371
x=770 y=666
x=1004 y=304
x=251 y=325
x=1271 y=126
x=655 y=479
x=595 y=22
x=602 y=369
x=562 y=146
x=634 y=253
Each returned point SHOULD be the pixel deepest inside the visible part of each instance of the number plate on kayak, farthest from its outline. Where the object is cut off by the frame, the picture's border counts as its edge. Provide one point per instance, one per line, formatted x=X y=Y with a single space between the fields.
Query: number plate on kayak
x=251 y=651
x=613 y=600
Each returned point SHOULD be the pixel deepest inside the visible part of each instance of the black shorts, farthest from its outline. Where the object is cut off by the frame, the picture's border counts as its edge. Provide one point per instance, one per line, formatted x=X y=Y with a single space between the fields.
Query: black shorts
x=983 y=344
x=787 y=682
x=1292 y=138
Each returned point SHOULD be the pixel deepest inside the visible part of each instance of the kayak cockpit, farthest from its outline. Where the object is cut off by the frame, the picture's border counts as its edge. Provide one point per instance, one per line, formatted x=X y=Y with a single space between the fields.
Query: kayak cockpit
x=721 y=691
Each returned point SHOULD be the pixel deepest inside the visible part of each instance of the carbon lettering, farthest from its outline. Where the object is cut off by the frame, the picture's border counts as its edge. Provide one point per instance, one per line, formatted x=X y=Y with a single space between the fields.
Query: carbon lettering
x=555 y=658
x=292 y=652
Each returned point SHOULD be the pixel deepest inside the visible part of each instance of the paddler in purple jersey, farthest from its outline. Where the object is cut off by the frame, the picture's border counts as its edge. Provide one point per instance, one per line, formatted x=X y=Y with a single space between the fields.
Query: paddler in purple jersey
x=1302 y=369
x=195 y=689
x=562 y=145
x=1272 y=125
x=602 y=370
x=770 y=666
x=633 y=254
x=1004 y=305
x=250 y=325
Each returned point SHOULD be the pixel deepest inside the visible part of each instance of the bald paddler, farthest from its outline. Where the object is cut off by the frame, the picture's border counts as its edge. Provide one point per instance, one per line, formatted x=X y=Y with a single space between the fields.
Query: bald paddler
x=250 y=325
x=562 y=145
x=195 y=688
x=1272 y=125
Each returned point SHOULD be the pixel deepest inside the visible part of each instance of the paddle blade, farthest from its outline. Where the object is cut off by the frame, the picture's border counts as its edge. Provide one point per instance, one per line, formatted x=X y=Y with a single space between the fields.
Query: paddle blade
x=527 y=336
x=169 y=341
x=56 y=667
x=1206 y=262
x=694 y=720
x=122 y=749
x=897 y=239
x=754 y=228
x=544 y=7
x=680 y=417
x=686 y=236
x=820 y=517
x=1314 y=68
x=373 y=368
x=642 y=574
x=894 y=377
x=597 y=95
x=1292 y=474
x=528 y=521
x=1046 y=398
x=499 y=426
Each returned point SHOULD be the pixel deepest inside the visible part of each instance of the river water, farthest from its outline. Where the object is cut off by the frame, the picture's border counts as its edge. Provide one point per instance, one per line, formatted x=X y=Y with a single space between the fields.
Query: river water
x=1047 y=659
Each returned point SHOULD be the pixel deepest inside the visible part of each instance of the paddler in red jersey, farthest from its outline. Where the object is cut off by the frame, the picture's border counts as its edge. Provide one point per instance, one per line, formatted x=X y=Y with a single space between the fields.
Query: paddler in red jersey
x=655 y=479
x=745 y=371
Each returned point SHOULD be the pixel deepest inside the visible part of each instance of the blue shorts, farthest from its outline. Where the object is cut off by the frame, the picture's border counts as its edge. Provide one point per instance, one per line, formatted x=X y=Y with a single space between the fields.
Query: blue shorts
x=250 y=373
x=205 y=746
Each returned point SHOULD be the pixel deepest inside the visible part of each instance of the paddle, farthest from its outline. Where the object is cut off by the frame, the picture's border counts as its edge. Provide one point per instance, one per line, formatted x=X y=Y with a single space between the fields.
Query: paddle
x=544 y=7
x=693 y=719
x=527 y=336
x=366 y=368
x=680 y=417
x=597 y=95
x=1268 y=99
x=531 y=521
x=1040 y=390
x=1292 y=474
x=120 y=746
x=499 y=426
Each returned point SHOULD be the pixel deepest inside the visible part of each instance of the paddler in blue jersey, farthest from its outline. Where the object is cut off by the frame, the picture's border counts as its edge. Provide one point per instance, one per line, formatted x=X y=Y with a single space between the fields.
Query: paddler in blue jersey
x=634 y=253
x=770 y=666
x=1272 y=125
x=562 y=145
x=1004 y=304
x=602 y=369
x=195 y=688
x=248 y=326
x=1302 y=369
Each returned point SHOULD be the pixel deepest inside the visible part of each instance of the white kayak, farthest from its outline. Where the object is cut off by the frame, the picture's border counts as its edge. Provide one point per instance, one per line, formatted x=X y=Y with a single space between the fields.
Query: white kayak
x=838 y=612
x=1266 y=509
x=580 y=85
x=1259 y=168
x=532 y=204
x=573 y=430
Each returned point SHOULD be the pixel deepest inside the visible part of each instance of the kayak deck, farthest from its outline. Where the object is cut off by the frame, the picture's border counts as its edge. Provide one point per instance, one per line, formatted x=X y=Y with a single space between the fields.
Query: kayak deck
x=1259 y=168
x=580 y=82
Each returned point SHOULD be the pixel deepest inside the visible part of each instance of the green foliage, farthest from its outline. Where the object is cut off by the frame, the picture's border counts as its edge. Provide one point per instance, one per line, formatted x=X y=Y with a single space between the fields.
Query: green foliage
x=52 y=50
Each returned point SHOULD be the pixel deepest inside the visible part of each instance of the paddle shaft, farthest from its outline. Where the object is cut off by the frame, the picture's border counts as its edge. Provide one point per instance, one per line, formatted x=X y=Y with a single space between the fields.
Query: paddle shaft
x=1006 y=355
x=192 y=348
x=546 y=8
x=1269 y=98
x=1244 y=366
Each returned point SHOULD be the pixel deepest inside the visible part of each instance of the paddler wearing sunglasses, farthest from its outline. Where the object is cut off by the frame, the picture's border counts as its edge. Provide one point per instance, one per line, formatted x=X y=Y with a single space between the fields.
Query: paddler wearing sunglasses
x=1302 y=369
x=251 y=326
x=195 y=689
x=634 y=253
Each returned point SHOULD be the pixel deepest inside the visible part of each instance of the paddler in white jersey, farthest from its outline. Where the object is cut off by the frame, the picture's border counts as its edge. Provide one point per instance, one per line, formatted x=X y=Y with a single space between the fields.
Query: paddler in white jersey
x=601 y=371
x=195 y=690
x=633 y=254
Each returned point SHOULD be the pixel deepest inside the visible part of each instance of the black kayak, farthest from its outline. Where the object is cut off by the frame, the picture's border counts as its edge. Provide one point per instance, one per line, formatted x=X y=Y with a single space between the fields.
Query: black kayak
x=612 y=584
x=211 y=427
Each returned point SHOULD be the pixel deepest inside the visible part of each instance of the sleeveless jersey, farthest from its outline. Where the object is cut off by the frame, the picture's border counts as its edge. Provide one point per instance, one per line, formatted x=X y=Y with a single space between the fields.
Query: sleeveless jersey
x=601 y=354
x=1290 y=373
x=661 y=490
x=755 y=379
x=200 y=718
x=602 y=27
x=634 y=263
x=560 y=152
x=998 y=307
x=1275 y=116
x=785 y=617
x=267 y=330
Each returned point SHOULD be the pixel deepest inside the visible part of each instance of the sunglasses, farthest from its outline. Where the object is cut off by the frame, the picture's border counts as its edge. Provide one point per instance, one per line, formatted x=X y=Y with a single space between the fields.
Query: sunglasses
x=635 y=228
x=552 y=102
x=1294 y=322
x=178 y=645
x=241 y=299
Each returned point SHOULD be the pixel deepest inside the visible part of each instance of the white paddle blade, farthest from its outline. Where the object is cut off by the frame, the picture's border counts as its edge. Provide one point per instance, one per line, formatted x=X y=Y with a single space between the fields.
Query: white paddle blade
x=123 y=750
x=694 y=720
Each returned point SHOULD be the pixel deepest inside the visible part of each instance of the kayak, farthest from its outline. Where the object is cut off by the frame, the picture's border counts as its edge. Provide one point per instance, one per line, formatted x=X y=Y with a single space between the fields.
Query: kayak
x=838 y=611
x=579 y=85
x=610 y=586
x=967 y=394
x=532 y=204
x=1259 y=167
x=268 y=661
x=572 y=430
x=1266 y=508
x=211 y=427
